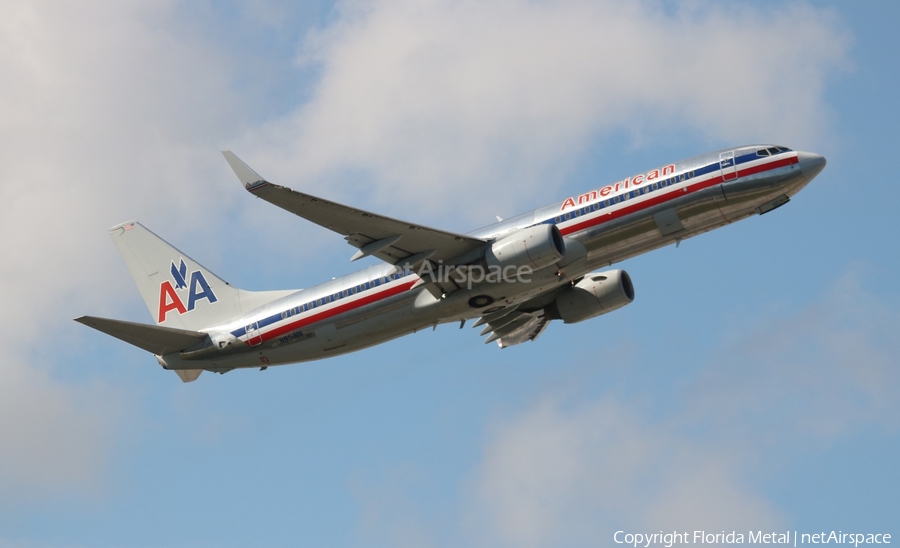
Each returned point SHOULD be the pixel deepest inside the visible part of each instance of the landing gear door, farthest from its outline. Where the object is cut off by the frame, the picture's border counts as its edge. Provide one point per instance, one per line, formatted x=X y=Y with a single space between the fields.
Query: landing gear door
x=726 y=164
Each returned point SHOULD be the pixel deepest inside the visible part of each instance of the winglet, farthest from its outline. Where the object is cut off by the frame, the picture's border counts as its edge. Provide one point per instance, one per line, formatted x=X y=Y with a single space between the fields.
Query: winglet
x=249 y=178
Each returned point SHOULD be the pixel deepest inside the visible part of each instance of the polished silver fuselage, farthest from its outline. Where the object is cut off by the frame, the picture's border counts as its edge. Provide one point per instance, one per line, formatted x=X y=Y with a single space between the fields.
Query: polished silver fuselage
x=601 y=227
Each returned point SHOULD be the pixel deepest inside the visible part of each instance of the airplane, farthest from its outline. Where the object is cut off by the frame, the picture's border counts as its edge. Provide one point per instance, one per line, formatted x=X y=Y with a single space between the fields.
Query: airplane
x=516 y=276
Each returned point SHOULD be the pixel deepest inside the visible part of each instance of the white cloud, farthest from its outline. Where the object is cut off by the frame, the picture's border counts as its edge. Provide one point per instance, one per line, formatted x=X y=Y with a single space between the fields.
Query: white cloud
x=811 y=376
x=106 y=113
x=781 y=391
x=466 y=105
x=56 y=437
x=557 y=476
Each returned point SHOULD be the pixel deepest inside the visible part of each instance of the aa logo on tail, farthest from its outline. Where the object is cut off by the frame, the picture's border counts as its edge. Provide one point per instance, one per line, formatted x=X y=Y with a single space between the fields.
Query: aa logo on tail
x=197 y=287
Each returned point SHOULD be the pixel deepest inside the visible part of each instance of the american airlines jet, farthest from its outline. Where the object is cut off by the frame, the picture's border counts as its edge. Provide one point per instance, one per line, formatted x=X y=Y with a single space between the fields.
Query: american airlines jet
x=515 y=276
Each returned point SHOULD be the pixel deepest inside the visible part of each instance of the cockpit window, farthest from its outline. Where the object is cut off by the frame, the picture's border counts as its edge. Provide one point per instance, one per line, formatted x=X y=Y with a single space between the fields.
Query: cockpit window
x=774 y=150
x=762 y=152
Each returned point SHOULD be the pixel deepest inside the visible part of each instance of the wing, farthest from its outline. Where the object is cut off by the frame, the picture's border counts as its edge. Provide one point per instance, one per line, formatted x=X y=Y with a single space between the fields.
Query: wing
x=391 y=240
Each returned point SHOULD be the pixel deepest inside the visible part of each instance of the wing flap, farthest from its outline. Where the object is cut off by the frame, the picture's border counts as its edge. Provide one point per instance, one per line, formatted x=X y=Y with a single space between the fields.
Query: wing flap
x=512 y=327
x=152 y=338
x=359 y=227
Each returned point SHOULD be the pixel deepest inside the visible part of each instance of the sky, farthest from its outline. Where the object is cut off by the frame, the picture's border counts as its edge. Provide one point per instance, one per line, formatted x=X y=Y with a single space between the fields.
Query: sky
x=752 y=384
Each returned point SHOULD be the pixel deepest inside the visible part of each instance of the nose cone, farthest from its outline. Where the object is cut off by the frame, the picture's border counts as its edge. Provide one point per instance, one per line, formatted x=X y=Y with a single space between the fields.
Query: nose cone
x=811 y=164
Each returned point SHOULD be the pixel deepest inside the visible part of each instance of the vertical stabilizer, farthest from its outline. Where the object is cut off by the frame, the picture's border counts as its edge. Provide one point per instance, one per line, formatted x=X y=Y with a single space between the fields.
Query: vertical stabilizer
x=177 y=290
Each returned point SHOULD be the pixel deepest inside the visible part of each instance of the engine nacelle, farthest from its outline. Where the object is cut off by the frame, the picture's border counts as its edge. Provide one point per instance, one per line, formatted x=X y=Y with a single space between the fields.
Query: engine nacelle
x=537 y=247
x=596 y=294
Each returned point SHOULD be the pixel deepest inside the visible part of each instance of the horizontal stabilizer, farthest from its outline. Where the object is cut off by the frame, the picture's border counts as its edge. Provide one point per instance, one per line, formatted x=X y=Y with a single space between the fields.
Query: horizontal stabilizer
x=152 y=338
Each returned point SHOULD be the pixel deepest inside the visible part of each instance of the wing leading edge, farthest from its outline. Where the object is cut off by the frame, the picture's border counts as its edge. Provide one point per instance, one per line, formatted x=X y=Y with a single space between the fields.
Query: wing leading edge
x=391 y=240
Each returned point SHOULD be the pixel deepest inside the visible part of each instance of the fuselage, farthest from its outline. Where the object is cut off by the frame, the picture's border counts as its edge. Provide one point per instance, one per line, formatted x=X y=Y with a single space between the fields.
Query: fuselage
x=601 y=227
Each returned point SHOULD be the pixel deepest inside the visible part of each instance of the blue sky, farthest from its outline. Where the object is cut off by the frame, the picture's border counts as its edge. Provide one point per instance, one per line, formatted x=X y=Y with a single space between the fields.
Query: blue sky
x=751 y=385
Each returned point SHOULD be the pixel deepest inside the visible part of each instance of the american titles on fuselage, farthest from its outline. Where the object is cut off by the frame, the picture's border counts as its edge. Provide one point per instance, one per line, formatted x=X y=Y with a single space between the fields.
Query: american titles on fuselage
x=624 y=184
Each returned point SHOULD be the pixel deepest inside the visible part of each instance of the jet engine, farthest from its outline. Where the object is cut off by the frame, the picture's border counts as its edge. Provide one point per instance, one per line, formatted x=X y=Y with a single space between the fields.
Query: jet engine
x=537 y=247
x=596 y=294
